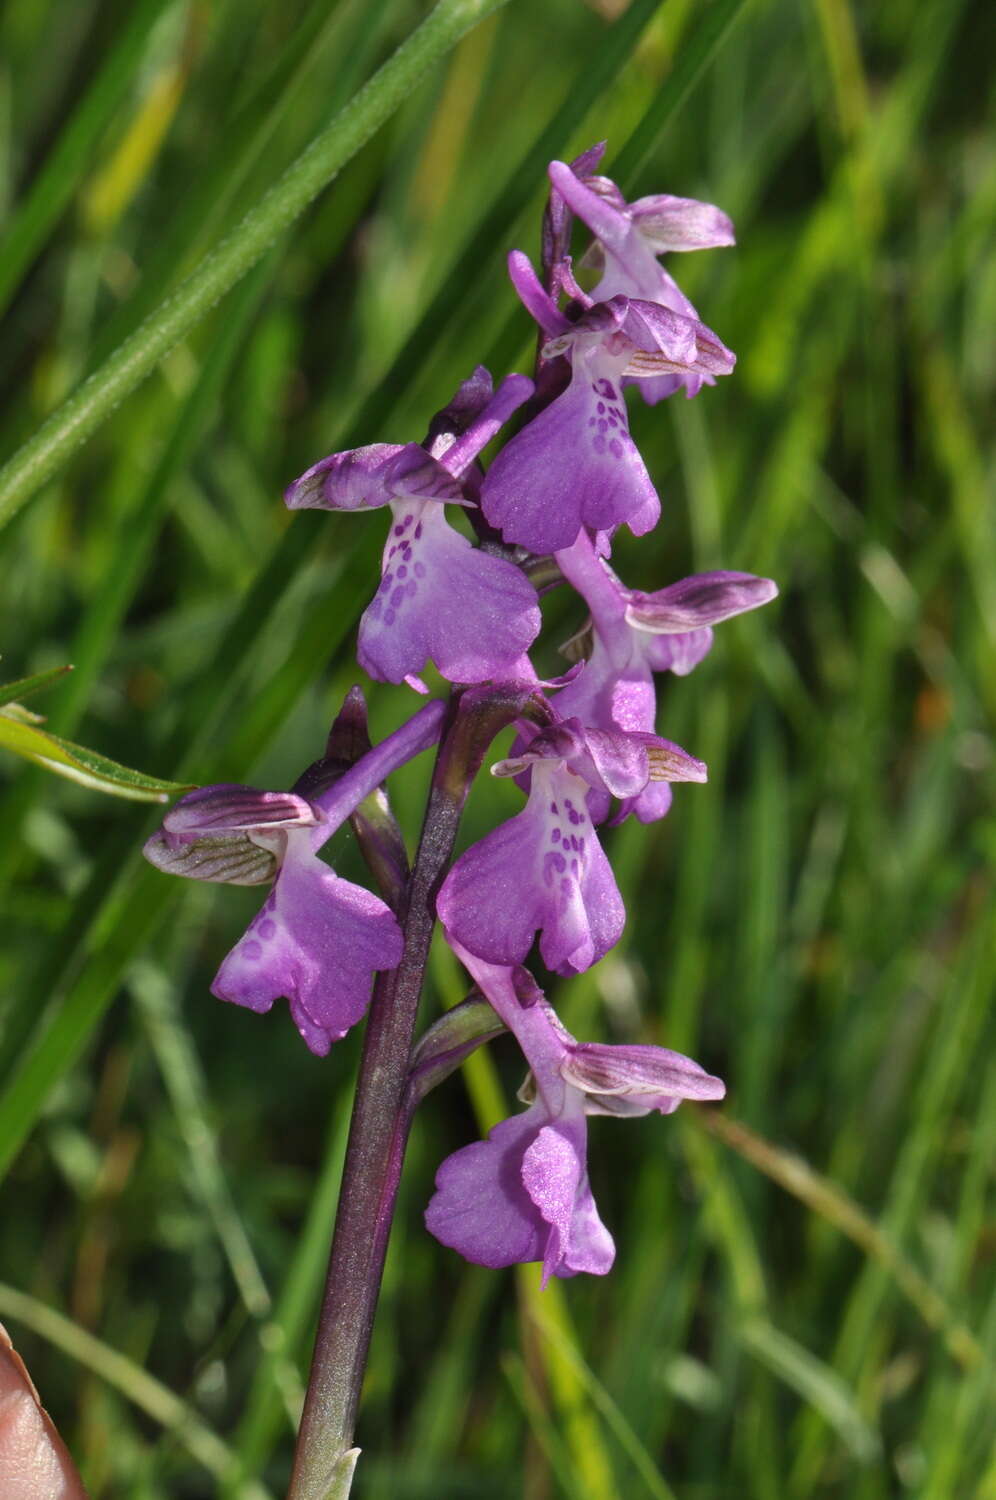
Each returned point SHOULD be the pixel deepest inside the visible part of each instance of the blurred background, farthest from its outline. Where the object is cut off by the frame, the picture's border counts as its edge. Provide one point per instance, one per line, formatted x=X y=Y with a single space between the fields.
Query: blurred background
x=803 y=1300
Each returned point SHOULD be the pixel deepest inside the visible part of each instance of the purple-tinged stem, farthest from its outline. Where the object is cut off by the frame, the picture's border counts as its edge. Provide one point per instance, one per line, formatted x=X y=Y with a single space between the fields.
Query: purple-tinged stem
x=379 y=1127
x=338 y=800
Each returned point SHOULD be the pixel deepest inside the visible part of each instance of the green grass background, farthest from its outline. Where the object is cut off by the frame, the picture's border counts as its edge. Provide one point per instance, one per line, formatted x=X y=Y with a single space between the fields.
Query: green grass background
x=803 y=1301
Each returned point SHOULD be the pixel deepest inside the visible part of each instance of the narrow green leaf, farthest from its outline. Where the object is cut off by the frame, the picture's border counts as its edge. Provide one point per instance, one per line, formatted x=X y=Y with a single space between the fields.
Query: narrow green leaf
x=11 y=692
x=79 y=764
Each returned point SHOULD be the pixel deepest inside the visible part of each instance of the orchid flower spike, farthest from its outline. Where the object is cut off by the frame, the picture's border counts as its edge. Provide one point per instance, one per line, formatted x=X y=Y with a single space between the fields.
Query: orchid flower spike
x=440 y=599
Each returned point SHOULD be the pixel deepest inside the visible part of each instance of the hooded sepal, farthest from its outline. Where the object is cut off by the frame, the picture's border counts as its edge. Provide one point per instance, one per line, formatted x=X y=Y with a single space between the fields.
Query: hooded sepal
x=633 y=1080
x=228 y=833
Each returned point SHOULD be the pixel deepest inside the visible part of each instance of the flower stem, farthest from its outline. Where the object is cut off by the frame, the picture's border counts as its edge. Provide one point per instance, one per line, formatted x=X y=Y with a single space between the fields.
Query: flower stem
x=379 y=1128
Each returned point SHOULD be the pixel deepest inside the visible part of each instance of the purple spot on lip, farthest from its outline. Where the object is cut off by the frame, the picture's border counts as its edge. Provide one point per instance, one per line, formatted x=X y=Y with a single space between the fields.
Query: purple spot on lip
x=252 y=950
x=555 y=836
x=389 y=617
x=600 y=408
x=399 y=531
x=266 y=928
x=411 y=588
x=402 y=571
x=398 y=596
x=599 y=444
x=419 y=570
x=386 y=581
x=418 y=531
x=615 y=448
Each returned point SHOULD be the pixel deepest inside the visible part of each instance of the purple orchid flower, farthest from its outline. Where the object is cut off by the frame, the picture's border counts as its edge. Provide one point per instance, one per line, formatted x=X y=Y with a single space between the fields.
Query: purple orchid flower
x=440 y=599
x=636 y=634
x=544 y=870
x=575 y=463
x=628 y=239
x=318 y=939
x=312 y=924
x=523 y=1194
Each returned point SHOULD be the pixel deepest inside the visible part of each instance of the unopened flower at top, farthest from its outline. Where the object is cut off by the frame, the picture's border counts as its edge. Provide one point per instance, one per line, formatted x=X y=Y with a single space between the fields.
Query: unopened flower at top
x=440 y=598
x=628 y=239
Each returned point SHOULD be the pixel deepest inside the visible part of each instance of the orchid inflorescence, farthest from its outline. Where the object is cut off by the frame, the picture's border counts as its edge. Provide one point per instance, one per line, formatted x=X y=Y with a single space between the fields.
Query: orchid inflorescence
x=586 y=751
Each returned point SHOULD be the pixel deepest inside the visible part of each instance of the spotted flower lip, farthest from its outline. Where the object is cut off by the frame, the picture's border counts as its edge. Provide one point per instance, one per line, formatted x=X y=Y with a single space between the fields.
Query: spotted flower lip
x=312 y=925
x=544 y=871
x=440 y=599
x=573 y=465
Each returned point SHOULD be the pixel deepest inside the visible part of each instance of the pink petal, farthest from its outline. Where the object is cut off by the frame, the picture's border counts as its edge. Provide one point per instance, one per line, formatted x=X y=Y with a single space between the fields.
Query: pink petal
x=440 y=599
